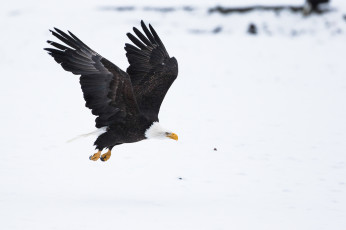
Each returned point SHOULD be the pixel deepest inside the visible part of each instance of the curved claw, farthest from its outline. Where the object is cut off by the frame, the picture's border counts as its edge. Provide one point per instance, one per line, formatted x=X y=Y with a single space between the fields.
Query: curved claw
x=96 y=156
x=106 y=156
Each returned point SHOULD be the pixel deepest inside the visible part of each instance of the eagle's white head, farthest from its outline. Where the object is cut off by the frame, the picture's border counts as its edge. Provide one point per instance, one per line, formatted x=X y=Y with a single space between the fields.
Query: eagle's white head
x=156 y=131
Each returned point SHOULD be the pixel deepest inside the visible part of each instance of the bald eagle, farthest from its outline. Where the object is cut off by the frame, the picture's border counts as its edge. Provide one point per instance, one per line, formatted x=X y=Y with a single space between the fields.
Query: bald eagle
x=126 y=103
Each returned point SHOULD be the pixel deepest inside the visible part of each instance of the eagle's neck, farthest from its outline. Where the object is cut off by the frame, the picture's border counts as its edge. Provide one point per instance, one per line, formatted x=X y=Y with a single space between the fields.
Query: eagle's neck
x=156 y=131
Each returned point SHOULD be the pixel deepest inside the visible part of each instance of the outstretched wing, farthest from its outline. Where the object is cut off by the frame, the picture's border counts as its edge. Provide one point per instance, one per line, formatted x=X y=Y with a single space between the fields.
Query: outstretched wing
x=151 y=69
x=106 y=88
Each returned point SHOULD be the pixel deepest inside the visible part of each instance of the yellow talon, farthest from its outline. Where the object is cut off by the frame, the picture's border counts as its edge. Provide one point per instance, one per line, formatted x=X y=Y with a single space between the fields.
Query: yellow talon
x=96 y=156
x=106 y=156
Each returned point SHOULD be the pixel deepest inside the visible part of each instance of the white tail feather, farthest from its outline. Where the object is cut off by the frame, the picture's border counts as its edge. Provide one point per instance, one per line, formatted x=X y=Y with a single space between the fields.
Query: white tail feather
x=97 y=132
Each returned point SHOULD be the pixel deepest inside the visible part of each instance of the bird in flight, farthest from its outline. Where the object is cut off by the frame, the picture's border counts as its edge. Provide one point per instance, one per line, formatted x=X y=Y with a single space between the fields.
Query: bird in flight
x=126 y=104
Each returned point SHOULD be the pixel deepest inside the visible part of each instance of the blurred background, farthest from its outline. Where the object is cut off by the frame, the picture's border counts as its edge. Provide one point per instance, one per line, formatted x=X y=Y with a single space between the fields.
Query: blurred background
x=259 y=106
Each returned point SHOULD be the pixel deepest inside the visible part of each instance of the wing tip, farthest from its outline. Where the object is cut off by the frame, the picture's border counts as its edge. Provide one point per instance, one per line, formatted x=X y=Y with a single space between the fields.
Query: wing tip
x=57 y=29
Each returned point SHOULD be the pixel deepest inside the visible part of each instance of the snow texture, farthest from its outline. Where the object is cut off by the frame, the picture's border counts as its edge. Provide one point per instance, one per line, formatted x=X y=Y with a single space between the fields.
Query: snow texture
x=260 y=119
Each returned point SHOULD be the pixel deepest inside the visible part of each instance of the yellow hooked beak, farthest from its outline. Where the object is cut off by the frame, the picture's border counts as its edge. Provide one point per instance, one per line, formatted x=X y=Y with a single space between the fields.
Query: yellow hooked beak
x=173 y=136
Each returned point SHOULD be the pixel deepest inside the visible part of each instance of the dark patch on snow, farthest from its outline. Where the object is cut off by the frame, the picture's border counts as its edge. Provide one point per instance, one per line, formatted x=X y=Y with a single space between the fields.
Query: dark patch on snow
x=188 y=8
x=246 y=9
x=180 y=178
x=217 y=29
x=118 y=8
x=337 y=31
x=215 y=149
x=252 y=29
x=316 y=6
x=197 y=31
x=160 y=9
x=167 y=9
x=306 y=9
x=277 y=9
x=14 y=13
x=294 y=33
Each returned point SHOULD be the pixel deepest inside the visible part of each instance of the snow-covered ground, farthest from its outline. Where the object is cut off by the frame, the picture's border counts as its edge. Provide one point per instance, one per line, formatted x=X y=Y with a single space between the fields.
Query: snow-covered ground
x=274 y=106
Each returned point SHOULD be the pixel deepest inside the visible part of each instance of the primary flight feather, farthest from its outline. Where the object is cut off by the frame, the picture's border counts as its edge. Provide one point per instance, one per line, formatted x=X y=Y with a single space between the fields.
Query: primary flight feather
x=126 y=103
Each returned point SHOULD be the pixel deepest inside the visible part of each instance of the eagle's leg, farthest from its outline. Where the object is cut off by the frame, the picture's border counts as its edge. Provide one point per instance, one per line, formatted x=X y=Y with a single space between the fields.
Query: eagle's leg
x=106 y=156
x=103 y=141
x=96 y=156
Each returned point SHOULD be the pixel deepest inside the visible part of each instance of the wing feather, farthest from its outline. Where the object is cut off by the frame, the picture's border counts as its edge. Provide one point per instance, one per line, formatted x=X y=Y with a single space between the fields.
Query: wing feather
x=151 y=69
x=136 y=41
x=141 y=36
x=106 y=88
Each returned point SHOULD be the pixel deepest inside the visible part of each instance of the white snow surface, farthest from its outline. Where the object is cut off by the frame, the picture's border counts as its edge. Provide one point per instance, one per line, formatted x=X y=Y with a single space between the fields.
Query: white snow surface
x=272 y=105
